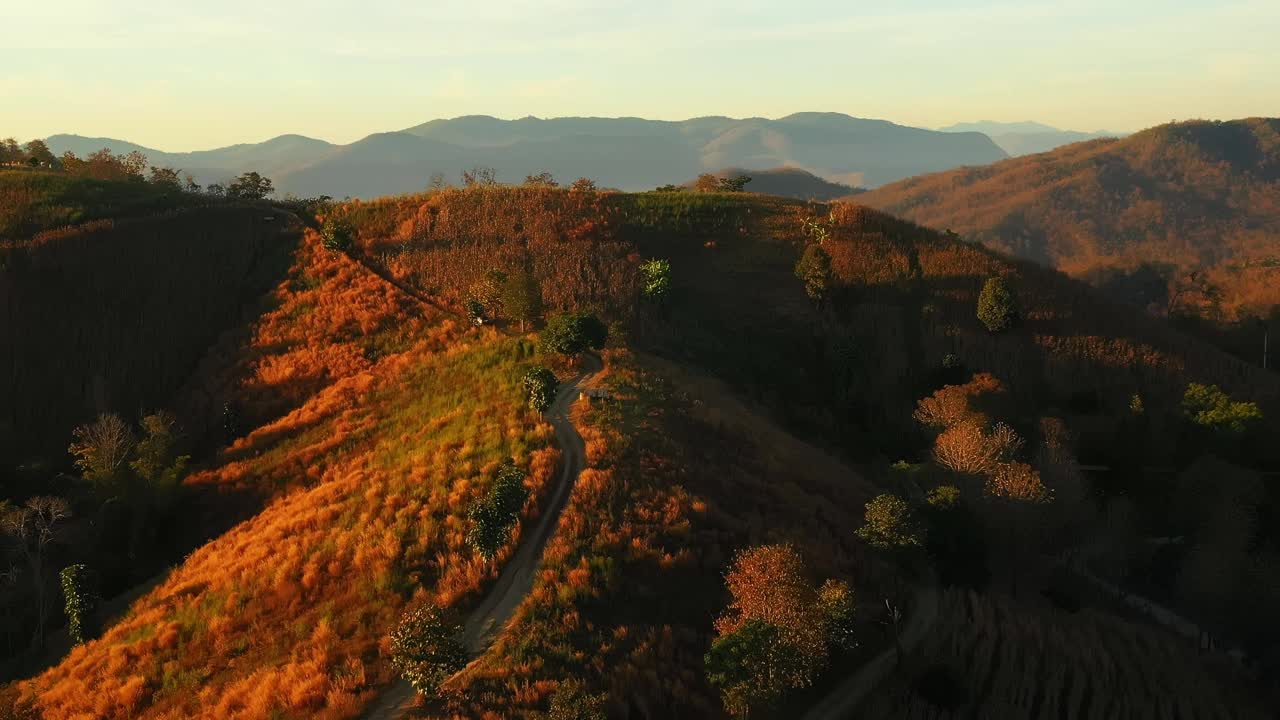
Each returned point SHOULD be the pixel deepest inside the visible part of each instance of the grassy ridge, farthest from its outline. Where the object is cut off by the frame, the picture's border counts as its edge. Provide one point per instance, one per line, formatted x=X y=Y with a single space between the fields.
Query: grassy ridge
x=32 y=201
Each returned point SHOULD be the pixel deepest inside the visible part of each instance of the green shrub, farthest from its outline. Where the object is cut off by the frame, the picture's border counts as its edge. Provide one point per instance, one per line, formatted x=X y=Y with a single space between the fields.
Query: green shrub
x=997 y=308
x=493 y=515
x=424 y=649
x=338 y=234
x=79 y=589
x=572 y=333
x=540 y=385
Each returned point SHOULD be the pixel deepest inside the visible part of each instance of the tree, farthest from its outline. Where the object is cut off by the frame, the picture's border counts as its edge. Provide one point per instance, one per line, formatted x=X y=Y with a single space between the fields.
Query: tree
x=190 y=184
x=479 y=176
x=522 y=298
x=737 y=183
x=1015 y=499
x=769 y=583
x=337 y=234
x=655 y=280
x=38 y=154
x=814 y=270
x=573 y=333
x=493 y=515
x=157 y=462
x=752 y=666
x=80 y=595
x=134 y=163
x=475 y=311
x=540 y=386
x=101 y=449
x=34 y=526
x=971 y=448
x=706 y=182
x=997 y=308
x=488 y=292
x=424 y=648
x=167 y=177
x=890 y=524
x=541 y=180
x=837 y=606
x=1209 y=407
x=250 y=186
x=10 y=152
x=583 y=185
x=216 y=190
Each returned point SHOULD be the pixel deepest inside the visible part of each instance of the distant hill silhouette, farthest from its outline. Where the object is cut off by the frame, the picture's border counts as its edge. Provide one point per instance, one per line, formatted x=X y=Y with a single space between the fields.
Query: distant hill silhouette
x=788 y=182
x=1186 y=195
x=626 y=153
x=1025 y=138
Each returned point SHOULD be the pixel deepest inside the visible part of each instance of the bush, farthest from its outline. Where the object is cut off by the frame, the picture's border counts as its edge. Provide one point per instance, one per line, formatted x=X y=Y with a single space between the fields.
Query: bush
x=891 y=524
x=572 y=333
x=338 y=234
x=79 y=589
x=997 y=308
x=540 y=386
x=1209 y=407
x=424 y=649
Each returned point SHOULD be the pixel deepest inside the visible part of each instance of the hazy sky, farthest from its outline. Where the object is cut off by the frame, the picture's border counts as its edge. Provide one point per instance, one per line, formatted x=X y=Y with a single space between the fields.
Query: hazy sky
x=179 y=75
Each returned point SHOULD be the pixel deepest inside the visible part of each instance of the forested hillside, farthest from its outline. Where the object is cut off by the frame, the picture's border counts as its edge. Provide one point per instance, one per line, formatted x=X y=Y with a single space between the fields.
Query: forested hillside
x=1182 y=218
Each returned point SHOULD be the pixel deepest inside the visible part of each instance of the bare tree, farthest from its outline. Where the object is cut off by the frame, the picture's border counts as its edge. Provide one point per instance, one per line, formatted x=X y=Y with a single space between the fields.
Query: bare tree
x=34 y=526
x=102 y=448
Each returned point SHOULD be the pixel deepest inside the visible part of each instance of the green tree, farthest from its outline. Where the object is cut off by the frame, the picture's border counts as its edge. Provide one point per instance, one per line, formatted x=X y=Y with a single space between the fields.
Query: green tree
x=250 y=186
x=752 y=667
x=38 y=154
x=583 y=185
x=814 y=270
x=738 y=183
x=167 y=177
x=891 y=524
x=424 y=648
x=79 y=591
x=655 y=280
x=522 y=298
x=1209 y=407
x=157 y=462
x=838 y=608
x=338 y=234
x=493 y=515
x=572 y=333
x=540 y=385
x=997 y=308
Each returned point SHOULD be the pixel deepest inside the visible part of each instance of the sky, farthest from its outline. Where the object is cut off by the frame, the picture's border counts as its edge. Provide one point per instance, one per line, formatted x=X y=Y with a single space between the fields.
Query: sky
x=179 y=75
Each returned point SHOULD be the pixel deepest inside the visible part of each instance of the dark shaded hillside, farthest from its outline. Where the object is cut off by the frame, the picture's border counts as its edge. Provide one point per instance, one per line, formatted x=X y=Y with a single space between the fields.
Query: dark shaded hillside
x=1184 y=196
x=114 y=315
x=33 y=201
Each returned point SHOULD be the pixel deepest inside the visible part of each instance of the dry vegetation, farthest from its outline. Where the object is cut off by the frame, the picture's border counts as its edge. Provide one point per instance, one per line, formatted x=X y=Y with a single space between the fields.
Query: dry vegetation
x=988 y=656
x=286 y=614
x=632 y=582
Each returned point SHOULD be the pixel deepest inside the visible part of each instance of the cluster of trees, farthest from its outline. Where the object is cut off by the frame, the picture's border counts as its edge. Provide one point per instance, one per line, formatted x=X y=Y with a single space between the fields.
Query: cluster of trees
x=125 y=492
x=707 y=182
x=498 y=294
x=573 y=333
x=132 y=166
x=779 y=630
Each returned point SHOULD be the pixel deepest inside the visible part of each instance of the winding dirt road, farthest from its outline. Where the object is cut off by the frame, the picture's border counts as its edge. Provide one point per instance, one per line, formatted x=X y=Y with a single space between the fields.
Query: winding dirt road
x=516 y=580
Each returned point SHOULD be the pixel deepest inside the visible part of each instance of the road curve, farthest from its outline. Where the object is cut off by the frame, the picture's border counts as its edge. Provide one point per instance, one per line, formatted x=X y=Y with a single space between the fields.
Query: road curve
x=516 y=579
x=844 y=699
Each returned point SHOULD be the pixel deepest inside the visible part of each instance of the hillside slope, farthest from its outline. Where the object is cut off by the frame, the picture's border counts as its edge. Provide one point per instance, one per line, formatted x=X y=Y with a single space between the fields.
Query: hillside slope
x=1187 y=195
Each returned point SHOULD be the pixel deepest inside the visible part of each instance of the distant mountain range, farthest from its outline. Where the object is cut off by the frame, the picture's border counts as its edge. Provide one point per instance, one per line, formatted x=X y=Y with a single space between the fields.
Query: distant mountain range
x=1026 y=138
x=626 y=153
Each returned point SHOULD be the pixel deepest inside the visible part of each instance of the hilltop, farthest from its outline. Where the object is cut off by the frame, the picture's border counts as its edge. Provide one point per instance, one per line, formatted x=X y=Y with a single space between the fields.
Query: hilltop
x=626 y=153
x=1175 y=198
x=786 y=182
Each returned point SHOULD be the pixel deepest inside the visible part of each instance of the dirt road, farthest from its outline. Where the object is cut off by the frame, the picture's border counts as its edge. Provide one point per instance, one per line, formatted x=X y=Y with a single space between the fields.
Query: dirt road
x=516 y=580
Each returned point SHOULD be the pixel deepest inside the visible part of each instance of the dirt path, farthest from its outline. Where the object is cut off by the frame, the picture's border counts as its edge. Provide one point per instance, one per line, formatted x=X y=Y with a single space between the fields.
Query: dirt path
x=844 y=699
x=516 y=580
